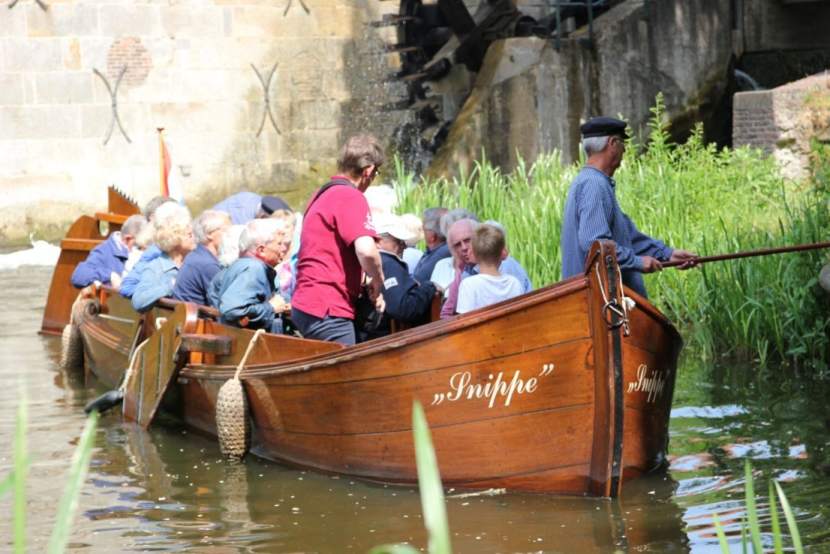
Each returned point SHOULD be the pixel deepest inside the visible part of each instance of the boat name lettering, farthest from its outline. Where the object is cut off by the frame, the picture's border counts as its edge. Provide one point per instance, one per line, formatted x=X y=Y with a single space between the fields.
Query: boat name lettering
x=651 y=383
x=497 y=388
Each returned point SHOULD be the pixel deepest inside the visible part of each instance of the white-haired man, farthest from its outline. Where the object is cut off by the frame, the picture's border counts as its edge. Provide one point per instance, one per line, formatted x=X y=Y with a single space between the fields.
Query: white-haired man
x=105 y=263
x=201 y=265
x=245 y=291
x=592 y=212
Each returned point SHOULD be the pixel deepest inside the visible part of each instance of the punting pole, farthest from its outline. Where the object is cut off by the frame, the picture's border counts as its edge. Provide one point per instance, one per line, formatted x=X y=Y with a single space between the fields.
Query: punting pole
x=752 y=253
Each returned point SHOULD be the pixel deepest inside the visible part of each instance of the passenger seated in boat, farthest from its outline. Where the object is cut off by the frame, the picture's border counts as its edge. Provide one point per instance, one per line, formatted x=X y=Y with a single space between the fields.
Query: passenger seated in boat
x=436 y=242
x=151 y=252
x=412 y=254
x=174 y=237
x=407 y=301
x=105 y=262
x=246 y=206
x=443 y=272
x=245 y=291
x=489 y=286
x=201 y=265
x=286 y=269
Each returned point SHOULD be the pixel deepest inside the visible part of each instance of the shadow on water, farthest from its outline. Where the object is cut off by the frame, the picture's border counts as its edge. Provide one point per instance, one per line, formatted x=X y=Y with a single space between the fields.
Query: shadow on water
x=169 y=489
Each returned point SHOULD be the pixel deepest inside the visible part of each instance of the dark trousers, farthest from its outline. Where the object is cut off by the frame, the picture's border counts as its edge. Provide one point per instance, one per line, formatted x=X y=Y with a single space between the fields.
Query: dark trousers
x=334 y=329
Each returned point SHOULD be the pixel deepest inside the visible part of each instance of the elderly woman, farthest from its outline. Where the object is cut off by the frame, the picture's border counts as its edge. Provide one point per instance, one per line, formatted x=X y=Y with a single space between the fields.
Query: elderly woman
x=202 y=264
x=174 y=237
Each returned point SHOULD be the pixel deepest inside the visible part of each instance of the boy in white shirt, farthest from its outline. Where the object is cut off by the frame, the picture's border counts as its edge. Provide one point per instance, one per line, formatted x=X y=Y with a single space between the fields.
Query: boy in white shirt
x=489 y=286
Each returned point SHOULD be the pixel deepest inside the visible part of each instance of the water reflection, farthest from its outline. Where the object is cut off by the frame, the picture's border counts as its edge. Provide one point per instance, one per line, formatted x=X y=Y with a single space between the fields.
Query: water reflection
x=168 y=489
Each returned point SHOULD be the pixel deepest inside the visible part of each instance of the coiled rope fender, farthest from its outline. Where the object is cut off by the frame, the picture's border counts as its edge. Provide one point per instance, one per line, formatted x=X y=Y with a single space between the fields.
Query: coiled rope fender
x=232 y=424
x=72 y=346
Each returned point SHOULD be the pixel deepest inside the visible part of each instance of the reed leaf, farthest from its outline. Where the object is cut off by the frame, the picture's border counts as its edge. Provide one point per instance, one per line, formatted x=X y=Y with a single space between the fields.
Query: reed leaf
x=790 y=517
x=429 y=483
x=77 y=474
x=778 y=546
x=752 y=510
x=20 y=473
x=724 y=544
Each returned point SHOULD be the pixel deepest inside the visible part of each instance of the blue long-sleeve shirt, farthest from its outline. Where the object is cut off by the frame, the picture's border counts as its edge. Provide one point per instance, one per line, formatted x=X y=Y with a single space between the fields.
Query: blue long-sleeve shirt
x=199 y=267
x=242 y=206
x=593 y=213
x=104 y=260
x=244 y=289
x=157 y=281
x=130 y=281
x=423 y=269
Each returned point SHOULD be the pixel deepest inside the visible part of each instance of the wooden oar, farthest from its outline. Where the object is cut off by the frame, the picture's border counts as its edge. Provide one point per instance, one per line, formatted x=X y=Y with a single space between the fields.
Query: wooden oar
x=751 y=253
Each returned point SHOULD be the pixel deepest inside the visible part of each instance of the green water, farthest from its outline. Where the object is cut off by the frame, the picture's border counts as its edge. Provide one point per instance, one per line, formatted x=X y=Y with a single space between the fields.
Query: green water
x=169 y=490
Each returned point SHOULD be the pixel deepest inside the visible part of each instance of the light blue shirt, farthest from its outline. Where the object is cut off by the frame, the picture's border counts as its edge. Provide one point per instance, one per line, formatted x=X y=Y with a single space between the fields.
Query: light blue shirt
x=157 y=281
x=593 y=213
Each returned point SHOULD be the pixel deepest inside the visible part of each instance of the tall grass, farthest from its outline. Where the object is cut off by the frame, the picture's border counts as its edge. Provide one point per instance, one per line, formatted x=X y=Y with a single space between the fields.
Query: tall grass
x=693 y=196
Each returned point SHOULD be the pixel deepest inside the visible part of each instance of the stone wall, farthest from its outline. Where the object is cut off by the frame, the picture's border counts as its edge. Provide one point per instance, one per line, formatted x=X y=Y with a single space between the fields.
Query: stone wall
x=530 y=98
x=190 y=69
x=784 y=120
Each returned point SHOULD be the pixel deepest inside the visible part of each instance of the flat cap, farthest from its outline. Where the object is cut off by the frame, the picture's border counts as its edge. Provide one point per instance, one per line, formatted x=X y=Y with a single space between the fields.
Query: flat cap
x=270 y=204
x=603 y=127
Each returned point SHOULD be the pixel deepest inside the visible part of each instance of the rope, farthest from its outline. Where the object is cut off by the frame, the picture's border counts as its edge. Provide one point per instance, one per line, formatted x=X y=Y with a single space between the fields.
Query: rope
x=244 y=359
x=131 y=368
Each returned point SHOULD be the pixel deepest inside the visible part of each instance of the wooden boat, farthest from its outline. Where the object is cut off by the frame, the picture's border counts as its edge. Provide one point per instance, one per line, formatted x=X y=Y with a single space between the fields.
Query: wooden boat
x=563 y=390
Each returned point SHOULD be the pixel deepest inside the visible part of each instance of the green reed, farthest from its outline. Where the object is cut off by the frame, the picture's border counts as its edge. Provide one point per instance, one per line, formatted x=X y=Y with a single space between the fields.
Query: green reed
x=751 y=530
x=17 y=479
x=693 y=196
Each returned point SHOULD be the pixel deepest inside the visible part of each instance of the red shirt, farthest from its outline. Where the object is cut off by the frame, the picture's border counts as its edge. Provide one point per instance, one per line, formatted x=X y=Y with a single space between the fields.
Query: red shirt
x=328 y=271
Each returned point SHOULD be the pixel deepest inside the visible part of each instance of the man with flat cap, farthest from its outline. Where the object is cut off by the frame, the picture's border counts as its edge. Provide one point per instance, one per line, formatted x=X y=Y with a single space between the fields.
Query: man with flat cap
x=593 y=213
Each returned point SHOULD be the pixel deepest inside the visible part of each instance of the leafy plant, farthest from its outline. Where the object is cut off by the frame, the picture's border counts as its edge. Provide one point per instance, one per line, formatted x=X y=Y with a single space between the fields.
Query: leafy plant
x=753 y=528
x=16 y=482
x=432 y=492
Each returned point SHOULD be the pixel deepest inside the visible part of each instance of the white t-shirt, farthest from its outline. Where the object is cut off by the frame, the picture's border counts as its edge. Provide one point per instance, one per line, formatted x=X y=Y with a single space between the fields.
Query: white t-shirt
x=443 y=274
x=482 y=290
x=411 y=257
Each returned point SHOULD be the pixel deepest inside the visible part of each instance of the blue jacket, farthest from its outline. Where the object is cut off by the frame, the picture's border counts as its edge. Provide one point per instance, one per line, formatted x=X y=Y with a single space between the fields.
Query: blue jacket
x=243 y=290
x=406 y=300
x=199 y=267
x=134 y=276
x=424 y=267
x=242 y=207
x=105 y=259
x=157 y=281
x=592 y=213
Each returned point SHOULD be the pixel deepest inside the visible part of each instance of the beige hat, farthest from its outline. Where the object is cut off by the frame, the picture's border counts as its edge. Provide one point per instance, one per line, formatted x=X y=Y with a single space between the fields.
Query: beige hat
x=391 y=224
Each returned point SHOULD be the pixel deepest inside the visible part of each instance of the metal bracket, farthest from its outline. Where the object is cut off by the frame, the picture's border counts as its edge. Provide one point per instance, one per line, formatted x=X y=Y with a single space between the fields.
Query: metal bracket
x=43 y=5
x=114 y=97
x=288 y=7
x=266 y=86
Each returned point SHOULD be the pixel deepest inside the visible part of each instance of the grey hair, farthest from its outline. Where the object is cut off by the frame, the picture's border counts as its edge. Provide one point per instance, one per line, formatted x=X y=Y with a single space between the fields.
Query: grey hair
x=134 y=225
x=594 y=145
x=229 y=247
x=258 y=232
x=454 y=215
x=432 y=221
x=208 y=222
x=155 y=202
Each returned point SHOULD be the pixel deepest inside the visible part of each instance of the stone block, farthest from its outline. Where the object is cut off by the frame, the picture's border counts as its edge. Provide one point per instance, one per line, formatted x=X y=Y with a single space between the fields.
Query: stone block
x=11 y=88
x=259 y=21
x=315 y=115
x=64 y=87
x=39 y=122
x=130 y=20
x=78 y=19
x=93 y=53
x=12 y=23
x=72 y=54
x=40 y=54
x=191 y=21
x=312 y=145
